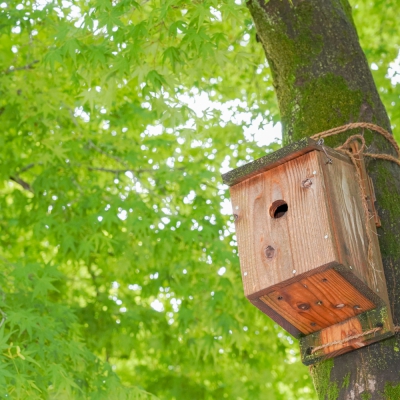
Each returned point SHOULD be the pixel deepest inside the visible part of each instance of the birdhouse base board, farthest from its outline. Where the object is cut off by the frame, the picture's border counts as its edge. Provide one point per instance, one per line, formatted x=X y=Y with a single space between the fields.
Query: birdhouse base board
x=364 y=329
x=318 y=301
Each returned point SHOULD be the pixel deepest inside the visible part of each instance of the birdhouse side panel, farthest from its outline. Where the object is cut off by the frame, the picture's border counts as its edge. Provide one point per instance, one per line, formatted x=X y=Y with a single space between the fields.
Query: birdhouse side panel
x=283 y=225
x=350 y=225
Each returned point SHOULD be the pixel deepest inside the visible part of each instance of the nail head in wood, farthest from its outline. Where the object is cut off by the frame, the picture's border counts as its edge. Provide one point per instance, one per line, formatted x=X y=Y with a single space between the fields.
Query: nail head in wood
x=269 y=253
x=306 y=183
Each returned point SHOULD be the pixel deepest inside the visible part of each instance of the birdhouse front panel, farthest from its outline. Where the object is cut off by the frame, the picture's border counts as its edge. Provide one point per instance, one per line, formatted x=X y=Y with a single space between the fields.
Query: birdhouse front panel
x=302 y=239
x=283 y=228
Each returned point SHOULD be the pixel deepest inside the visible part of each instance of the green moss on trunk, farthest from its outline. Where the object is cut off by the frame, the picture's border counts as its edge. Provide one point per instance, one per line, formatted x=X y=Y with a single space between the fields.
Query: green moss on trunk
x=392 y=392
x=346 y=381
x=317 y=64
x=321 y=374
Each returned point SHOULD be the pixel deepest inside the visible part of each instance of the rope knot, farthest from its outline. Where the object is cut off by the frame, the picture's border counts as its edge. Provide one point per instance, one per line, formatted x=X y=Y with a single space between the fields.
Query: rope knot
x=349 y=151
x=346 y=144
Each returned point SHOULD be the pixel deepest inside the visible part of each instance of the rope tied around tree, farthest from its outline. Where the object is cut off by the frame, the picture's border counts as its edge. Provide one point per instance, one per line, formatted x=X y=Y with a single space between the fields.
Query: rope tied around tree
x=350 y=338
x=345 y=148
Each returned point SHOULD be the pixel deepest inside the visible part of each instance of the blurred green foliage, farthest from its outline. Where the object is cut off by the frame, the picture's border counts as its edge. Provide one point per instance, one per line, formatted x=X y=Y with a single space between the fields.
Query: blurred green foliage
x=120 y=274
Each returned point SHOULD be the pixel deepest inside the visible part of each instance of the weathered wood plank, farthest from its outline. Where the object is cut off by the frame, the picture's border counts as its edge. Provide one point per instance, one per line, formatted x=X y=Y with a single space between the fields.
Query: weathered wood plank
x=275 y=159
x=345 y=272
x=273 y=250
x=318 y=301
x=350 y=226
x=368 y=185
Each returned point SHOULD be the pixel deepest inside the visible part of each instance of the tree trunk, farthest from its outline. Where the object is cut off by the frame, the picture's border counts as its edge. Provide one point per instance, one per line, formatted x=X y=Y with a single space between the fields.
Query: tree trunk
x=322 y=80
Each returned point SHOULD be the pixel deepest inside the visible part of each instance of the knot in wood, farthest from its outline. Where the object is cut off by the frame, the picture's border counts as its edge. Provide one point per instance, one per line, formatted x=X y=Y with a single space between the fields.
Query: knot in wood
x=303 y=306
x=306 y=183
x=269 y=252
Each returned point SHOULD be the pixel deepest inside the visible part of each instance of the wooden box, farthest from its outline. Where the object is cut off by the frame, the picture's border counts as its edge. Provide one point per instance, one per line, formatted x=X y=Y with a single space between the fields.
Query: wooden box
x=303 y=246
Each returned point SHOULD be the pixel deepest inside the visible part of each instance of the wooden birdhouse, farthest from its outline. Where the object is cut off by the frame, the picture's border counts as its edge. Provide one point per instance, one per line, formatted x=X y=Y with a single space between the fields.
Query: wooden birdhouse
x=309 y=258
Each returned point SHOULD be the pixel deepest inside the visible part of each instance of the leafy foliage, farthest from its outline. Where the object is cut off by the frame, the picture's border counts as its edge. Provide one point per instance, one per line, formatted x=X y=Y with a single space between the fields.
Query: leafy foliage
x=120 y=272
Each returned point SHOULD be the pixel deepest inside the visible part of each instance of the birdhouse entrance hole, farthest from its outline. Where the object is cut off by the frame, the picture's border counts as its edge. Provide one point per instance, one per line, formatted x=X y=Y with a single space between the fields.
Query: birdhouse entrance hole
x=278 y=209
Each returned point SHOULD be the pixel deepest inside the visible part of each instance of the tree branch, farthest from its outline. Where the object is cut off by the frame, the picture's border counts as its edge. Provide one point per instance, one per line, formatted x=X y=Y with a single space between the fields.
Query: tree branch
x=118 y=171
x=99 y=150
x=29 y=166
x=21 y=182
x=24 y=67
x=113 y=171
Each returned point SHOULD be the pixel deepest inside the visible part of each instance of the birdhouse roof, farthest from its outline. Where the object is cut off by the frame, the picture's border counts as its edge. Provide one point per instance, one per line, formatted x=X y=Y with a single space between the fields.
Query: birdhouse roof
x=276 y=158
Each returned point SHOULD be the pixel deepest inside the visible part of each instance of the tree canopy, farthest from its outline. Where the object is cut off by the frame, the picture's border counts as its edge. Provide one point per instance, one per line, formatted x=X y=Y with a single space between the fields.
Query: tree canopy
x=120 y=275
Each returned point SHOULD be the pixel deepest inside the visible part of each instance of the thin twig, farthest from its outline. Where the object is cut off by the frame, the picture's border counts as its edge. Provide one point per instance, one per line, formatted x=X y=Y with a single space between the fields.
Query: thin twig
x=117 y=171
x=71 y=113
x=98 y=149
x=21 y=182
x=113 y=171
x=29 y=166
x=4 y=315
x=93 y=276
x=24 y=67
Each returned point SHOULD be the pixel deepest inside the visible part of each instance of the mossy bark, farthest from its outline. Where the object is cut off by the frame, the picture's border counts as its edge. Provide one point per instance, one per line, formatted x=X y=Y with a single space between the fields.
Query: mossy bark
x=322 y=80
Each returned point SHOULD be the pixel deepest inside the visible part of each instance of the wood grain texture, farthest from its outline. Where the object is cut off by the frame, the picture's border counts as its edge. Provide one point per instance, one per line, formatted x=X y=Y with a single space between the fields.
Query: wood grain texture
x=318 y=301
x=302 y=239
x=349 y=225
x=345 y=272
x=367 y=181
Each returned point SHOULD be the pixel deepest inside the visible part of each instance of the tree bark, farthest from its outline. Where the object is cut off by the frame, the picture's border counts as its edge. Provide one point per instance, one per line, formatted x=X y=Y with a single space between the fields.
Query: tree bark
x=322 y=80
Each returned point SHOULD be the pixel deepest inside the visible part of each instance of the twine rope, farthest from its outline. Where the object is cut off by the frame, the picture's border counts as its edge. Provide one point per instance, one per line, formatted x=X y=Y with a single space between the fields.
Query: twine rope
x=345 y=148
x=372 y=127
x=353 y=337
x=348 y=339
x=354 y=157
